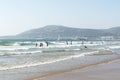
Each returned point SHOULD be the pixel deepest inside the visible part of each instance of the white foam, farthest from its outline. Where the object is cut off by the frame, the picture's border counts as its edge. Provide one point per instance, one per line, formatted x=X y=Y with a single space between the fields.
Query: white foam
x=55 y=47
x=48 y=62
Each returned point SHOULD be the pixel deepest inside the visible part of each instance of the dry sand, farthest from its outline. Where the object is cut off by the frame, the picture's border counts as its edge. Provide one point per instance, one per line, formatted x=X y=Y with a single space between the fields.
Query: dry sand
x=105 y=71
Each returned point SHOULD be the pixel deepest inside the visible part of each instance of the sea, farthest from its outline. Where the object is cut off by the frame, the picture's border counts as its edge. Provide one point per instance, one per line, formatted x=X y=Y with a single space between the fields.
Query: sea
x=26 y=53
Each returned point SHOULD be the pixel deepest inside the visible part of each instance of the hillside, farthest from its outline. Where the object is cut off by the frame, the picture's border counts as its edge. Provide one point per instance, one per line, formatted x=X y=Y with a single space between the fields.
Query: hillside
x=55 y=31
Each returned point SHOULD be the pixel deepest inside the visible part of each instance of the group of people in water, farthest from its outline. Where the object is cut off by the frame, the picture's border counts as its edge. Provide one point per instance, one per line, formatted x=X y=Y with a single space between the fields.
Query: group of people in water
x=68 y=42
x=71 y=43
x=47 y=44
x=41 y=44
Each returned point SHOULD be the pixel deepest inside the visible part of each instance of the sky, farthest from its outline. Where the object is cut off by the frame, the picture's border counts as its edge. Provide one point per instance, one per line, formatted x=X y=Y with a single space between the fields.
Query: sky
x=17 y=16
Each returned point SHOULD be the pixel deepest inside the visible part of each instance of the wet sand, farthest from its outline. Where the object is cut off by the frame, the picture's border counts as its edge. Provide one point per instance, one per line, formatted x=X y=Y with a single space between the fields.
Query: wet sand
x=105 y=71
x=77 y=68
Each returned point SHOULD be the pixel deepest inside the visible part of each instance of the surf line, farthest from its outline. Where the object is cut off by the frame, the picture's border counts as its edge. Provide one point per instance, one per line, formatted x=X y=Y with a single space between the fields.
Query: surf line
x=72 y=69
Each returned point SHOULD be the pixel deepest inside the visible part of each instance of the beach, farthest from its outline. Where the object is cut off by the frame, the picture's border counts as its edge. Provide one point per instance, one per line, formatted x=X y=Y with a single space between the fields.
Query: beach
x=59 y=61
x=59 y=40
x=70 y=69
x=103 y=71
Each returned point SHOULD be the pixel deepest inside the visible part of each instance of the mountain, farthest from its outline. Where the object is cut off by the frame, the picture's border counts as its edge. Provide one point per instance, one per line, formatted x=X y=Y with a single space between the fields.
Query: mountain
x=114 y=30
x=64 y=32
x=55 y=31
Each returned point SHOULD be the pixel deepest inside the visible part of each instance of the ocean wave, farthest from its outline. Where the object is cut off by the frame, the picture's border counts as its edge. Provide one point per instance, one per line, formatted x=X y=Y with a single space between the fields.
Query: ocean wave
x=7 y=51
x=26 y=54
x=49 y=61
x=18 y=53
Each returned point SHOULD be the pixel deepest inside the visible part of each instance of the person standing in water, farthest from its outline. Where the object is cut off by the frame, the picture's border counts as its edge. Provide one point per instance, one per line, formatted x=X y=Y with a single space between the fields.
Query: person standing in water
x=67 y=42
x=71 y=43
x=46 y=43
x=36 y=44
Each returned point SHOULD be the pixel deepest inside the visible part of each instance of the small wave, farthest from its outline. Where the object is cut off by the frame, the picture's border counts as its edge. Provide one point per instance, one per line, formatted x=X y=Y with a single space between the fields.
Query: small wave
x=48 y=61
x=18 y=53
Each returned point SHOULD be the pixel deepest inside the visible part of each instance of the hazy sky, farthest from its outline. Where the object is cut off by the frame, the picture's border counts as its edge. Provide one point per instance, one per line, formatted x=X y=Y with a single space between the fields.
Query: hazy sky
x=20 y=15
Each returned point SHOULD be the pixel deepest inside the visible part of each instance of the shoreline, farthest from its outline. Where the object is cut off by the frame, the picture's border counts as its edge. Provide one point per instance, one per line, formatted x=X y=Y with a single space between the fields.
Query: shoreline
x=57 y=68
x=64 y=72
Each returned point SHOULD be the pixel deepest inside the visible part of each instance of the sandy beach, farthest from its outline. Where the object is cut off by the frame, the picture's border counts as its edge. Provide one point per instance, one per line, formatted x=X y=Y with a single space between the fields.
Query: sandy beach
x=76 y=68
x=104 y=71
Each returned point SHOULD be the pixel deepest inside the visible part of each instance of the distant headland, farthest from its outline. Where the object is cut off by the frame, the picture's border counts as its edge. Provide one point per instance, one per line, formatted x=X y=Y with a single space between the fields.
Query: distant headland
x=64 y=32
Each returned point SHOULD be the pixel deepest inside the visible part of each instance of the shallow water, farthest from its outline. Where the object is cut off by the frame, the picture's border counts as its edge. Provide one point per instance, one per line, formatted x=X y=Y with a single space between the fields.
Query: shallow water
x=18 y=54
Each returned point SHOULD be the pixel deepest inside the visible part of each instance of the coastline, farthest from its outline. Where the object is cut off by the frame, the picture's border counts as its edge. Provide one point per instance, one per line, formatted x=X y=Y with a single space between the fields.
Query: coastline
x=68 y=68
x=57 y=68
x=107 y=70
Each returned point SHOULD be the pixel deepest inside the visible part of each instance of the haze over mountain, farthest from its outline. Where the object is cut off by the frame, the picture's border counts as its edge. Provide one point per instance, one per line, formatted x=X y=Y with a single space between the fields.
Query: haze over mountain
x=55 y=31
